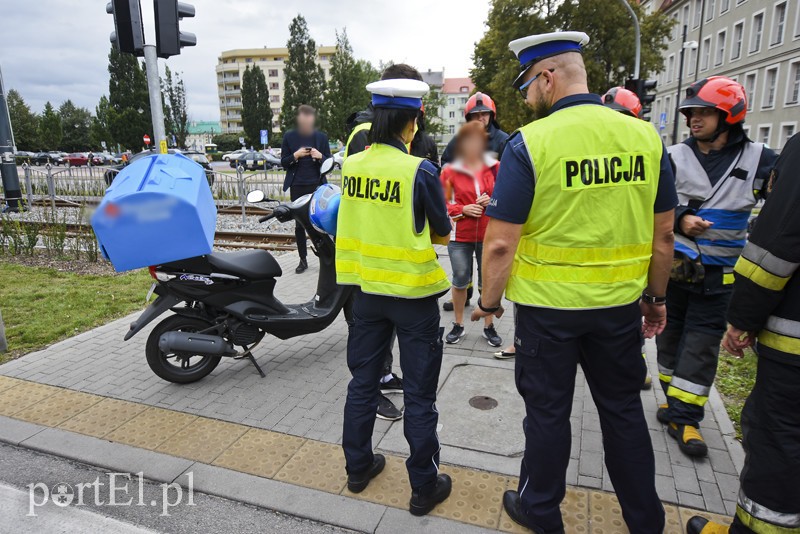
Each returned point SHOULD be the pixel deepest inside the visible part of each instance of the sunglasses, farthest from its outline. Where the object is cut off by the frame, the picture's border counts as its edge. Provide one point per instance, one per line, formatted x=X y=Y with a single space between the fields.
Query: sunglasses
x=523 y=89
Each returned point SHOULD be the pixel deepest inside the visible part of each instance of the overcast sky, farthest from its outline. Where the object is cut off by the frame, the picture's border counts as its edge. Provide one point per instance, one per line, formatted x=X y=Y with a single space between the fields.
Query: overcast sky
x=57 y=49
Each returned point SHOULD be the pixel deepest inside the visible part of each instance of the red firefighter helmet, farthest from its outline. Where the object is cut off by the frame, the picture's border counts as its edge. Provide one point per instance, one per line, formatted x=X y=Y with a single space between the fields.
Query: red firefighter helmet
x=717 y=92
x=623 y=100
x=480 y=103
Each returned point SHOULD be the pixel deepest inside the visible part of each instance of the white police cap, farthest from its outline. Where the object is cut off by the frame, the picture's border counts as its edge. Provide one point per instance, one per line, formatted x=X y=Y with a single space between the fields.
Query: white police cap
x=534 y=48
x=398 y=93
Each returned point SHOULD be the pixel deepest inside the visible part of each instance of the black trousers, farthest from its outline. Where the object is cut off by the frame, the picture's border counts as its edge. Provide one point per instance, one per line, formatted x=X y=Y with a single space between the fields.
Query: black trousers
x=770 y=478
x=295 y=192
x=688 y=350
x=607 y=343
x=420 y=337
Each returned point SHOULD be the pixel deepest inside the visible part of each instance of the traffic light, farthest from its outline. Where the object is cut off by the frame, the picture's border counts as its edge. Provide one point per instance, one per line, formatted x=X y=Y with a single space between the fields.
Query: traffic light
x=128 y=34
x=169 y=38
x=642 y=88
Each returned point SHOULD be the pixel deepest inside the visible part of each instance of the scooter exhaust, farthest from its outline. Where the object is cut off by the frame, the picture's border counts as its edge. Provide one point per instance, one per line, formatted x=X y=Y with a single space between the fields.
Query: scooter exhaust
x=200 y=344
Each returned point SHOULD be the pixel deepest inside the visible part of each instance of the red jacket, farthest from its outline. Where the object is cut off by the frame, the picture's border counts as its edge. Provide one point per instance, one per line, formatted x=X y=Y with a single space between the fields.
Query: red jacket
x=461 y=187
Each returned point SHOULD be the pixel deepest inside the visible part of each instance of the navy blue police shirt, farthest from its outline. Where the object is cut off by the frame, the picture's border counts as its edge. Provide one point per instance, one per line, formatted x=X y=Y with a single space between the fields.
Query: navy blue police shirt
x=514 y=189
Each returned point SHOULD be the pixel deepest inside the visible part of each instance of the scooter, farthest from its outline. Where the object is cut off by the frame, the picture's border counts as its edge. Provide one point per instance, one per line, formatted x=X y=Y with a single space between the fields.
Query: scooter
x=222 y=301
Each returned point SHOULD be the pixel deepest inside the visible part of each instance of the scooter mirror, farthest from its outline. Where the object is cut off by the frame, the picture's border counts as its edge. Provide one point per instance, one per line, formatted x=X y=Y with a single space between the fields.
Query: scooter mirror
x=327 y=166
x=255 y=196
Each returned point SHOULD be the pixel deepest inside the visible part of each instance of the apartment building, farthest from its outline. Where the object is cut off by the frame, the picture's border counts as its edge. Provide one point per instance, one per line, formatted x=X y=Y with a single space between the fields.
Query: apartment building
x=456 y=92
x=231 y=65
x=755 y=42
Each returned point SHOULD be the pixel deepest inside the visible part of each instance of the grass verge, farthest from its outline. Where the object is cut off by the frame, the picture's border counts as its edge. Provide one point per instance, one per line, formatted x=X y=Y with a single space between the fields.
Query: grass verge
x=41 y=306
x=735 y=380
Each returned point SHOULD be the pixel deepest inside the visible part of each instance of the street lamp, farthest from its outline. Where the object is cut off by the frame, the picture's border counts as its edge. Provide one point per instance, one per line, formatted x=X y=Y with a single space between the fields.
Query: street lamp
x=691 y=45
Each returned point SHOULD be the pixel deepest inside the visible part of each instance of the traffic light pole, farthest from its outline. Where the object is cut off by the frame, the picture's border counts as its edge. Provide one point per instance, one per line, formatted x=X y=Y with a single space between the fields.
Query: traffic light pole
x=154 y=89
x=8 y=164
x=637 y=35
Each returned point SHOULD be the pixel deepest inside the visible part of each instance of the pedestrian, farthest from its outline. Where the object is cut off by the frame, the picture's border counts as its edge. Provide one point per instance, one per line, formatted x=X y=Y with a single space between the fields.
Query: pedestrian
x=302 y=153
x=391 y=205
x=765 y=311
x=359 y=126
x=468 y=185
x=720 y=176
x=481 y=108
x=580 y=239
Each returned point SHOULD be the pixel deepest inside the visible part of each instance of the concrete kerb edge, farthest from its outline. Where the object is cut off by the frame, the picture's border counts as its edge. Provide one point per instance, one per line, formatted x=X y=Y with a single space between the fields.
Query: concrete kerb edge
x=726 y=428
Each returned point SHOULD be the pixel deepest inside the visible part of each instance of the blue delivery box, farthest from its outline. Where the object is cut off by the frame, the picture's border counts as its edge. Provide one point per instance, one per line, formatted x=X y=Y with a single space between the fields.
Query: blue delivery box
x=158 y=209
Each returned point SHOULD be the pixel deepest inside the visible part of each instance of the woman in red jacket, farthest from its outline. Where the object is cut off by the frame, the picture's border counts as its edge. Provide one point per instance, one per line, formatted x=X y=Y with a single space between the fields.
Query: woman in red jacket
x=468 y=184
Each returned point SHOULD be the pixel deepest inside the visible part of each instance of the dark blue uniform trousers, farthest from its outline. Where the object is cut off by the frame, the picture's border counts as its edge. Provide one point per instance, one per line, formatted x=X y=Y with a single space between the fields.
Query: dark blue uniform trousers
x=420 y=338
x=607 y=343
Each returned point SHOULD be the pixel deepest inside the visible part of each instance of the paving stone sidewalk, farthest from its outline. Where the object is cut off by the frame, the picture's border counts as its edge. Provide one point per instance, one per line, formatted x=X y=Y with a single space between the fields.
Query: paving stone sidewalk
x=303 y=395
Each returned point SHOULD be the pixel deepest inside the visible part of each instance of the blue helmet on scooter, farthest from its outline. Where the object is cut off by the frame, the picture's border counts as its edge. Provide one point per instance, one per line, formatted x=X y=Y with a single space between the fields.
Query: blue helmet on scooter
x=324 y=208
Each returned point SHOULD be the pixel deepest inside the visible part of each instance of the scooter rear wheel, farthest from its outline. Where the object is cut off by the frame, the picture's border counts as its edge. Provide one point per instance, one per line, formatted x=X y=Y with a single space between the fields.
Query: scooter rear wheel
x=171 y=367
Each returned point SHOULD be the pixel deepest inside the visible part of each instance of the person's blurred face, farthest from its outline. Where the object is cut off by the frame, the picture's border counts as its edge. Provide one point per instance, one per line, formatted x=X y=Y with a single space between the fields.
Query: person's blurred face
x=703 y=122
x=473 y=147
x=484 y=117
x=305 y=122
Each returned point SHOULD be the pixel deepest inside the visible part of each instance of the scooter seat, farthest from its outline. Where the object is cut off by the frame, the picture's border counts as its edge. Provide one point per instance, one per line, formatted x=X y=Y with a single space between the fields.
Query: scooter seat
x=253 y=264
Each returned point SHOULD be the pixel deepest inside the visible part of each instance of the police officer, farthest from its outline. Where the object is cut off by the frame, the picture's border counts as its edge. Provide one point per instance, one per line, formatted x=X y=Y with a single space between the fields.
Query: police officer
x=391 y=204
x=719 y=176
x=480 y=107
x=766 y=305
x=580 y=238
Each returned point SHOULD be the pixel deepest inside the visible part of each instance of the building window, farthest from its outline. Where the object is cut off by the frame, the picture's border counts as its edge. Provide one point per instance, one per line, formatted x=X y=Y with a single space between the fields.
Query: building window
x=692 y=61
x=750 y=88
x=273 y=73
x=698 y=13
x=451 y=101
x=787 y=130
x=756 y=31
x=464 y=89
x=720 y=57
x=464 y=100
x=274 y=98
x=248 y=60
x=274 y=86
x=778 y=24
x=724 y=6
x=739 y=2
x=452 y=114
x=712 y=5
x=736 y=45
x=452 y=129
x=705 y=53
x=670 y=67
x=793 y=90
x=797 y=25
x=770 y=81
x=764 y=134
x=667 y=108
x=676 y=25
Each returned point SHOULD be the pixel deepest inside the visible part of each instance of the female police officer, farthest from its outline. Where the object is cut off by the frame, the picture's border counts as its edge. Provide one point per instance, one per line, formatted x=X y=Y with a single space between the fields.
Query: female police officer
x=391 y=203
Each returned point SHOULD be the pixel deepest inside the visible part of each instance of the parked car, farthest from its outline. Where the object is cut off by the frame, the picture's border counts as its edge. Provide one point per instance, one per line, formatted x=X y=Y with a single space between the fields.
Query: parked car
x=254 y=161
x=235 y=154
x=273 y=160
x=197 y=157
x=43 y=158
x=76 y=159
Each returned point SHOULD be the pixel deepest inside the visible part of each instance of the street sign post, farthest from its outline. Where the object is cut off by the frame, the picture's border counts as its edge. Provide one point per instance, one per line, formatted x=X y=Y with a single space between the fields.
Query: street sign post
x=264 y=137
x=146 y=140
x=241 y=141
x=103 y=144
x=662 y=120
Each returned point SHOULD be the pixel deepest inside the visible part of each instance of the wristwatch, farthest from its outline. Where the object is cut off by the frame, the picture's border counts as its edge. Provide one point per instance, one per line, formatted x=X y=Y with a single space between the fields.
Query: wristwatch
x=650 y=299
x=487 y=310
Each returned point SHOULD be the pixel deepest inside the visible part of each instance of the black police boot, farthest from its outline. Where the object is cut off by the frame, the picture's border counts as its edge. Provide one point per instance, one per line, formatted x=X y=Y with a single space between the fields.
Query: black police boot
x=358 y=482
x=301 y=268
x=425 y=500
x=513 y=505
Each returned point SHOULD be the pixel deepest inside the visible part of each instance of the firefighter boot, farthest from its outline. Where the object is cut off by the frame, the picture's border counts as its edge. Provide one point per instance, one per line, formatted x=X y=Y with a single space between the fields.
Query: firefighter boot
x=689 y=439
x=701 y=525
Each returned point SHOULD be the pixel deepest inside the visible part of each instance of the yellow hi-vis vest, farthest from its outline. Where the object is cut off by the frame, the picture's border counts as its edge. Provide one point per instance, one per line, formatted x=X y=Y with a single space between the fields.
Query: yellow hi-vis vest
x=587 y=241
x=359 y=128
x=377 y=246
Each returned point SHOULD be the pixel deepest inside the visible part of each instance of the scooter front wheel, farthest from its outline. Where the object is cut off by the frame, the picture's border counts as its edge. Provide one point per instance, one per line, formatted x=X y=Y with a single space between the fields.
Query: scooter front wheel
x=178 y=368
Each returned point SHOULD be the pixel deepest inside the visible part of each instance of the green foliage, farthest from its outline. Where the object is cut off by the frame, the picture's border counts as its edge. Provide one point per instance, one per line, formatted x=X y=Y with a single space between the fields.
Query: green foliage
x=127 y=94
x=226 y=142
x=75 y=123
x=346 y=92
x=608 y=56
x=176 y=114
x=100 y=130
x=304 y=81
x=256 y=110
x=433 y=101
x=735 y=380
x=50 y=129
x=23 y=121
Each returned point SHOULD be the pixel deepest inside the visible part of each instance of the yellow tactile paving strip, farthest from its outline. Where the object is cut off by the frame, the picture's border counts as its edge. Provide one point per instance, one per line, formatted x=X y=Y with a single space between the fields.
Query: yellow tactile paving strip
x=476 y=498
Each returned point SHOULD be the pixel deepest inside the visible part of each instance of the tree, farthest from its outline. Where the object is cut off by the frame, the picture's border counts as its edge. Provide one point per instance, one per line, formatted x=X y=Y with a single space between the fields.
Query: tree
x=50 y=129
x=23 y=121
x=304 y=80
x=256 y=110
x=75 y=122
x=129 y=104
x=608 y=50
x=100 y=129
x=433 y=102
x=226 y=142
x=176 y=114
x=346 y=92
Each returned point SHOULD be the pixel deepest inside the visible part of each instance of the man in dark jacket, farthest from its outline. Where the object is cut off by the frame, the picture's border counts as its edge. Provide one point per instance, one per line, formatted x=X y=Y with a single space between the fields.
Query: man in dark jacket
x=480 y=107
x=302 y=154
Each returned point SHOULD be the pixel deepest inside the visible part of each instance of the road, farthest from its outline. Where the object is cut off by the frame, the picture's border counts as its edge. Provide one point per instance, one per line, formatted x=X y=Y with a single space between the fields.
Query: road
x=20 y=468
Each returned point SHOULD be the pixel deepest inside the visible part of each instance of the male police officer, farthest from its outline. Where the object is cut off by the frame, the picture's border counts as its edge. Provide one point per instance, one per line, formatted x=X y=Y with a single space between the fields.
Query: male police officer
x=576 y=257
x=391 y=202
x=766 y=305
x=719 y=176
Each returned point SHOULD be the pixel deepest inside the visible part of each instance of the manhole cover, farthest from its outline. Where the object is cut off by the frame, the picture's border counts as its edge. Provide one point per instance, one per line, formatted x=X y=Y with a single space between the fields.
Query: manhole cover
x=483 y=402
